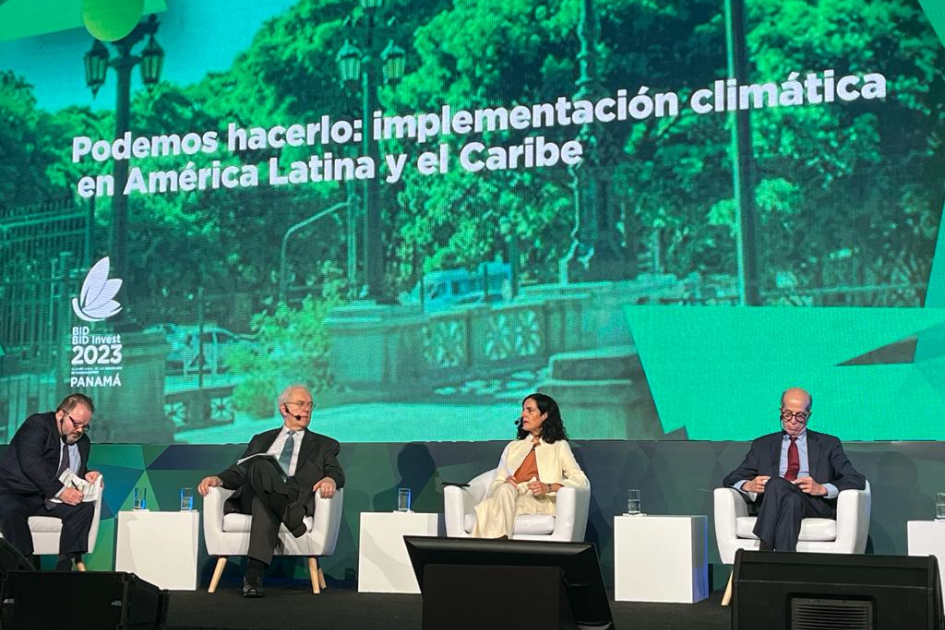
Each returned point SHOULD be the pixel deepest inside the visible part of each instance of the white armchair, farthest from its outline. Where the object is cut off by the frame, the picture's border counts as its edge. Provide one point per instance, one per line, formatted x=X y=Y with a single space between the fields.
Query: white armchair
x=846 y=534
x=228 y=535
x=46 y=530
x=568 y=524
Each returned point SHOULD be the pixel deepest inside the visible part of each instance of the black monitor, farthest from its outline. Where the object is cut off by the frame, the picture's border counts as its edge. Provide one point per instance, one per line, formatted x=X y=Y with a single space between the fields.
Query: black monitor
x=572 y=570
x=782 y=591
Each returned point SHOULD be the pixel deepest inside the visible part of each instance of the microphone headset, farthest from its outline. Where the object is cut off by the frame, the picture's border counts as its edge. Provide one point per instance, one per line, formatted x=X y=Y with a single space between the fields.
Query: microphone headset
x=518 y=422
x=298 y=418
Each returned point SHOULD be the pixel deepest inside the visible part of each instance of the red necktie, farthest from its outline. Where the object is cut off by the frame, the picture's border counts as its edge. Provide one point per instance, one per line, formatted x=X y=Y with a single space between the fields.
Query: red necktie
x=793 y=461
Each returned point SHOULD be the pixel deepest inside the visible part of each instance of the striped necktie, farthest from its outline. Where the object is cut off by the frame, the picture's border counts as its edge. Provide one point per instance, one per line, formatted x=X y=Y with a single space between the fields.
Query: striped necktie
x=285 y=459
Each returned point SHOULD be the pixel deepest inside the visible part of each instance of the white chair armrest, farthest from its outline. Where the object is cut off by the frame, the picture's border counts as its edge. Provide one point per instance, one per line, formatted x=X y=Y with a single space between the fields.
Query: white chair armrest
x=213 y=519
x=582 y=509
x=97 y=516
x=571 y=508
x=565 y=508
x=327 y=520
x=729 y=505
x=457 y=502
x=853 y=520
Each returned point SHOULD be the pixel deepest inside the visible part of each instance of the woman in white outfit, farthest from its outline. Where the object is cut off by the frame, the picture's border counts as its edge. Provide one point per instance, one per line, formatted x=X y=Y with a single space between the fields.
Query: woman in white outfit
x=532 y=469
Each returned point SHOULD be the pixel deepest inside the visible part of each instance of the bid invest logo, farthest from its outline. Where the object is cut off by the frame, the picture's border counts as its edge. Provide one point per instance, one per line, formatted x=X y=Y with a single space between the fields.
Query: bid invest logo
x=95 y=303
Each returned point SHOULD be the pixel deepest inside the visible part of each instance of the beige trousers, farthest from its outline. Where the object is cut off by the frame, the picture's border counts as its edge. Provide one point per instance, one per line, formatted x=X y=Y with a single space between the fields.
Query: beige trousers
x=495 y=516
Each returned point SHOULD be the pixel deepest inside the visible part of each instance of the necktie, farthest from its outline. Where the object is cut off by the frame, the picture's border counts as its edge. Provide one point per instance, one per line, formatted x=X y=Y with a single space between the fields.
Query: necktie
x=63 y=464
x=285 y=459
x=793 y=461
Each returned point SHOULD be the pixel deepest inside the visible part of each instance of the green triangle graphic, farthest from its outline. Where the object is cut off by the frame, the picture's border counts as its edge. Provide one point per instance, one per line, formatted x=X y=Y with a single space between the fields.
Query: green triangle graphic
x=935 y=10
x=718 y=372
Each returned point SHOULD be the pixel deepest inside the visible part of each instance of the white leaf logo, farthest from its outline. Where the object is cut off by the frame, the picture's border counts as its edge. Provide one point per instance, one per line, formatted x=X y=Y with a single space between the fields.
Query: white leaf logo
x=95 y=303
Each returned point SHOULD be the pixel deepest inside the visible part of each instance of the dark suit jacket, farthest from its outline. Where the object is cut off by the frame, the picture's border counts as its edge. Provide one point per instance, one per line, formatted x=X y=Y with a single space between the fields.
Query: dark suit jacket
x=318 y=458
x=828 y=463
x=29 y=465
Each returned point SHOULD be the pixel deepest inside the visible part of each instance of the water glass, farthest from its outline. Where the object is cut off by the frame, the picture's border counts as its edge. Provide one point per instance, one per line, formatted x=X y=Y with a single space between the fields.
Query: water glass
x=186 y=499
x=633 y=501
x=940 y=506
x=141 y=499
x=403 y=499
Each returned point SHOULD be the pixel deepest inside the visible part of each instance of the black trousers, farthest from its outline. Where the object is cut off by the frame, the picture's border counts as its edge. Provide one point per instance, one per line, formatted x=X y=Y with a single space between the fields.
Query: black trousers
x=781 y=511
x=15 y=510
x=264 y=495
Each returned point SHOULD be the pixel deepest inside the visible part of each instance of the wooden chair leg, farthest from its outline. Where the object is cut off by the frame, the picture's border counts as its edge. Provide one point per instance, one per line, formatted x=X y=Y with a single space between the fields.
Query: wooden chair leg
x=217 y=572
x=727 y=597
x=313 y=572
x=321 y=579
x=80 y=566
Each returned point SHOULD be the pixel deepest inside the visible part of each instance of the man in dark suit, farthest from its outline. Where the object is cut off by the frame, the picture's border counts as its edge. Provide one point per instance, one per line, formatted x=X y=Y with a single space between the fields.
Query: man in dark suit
x=793 y=474
x=280 y=493
x=41 y=450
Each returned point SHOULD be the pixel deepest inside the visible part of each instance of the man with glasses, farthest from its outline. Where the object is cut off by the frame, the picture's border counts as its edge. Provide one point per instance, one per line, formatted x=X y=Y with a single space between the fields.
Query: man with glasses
x=793 y=474
x=41 y=450
x=279 y=489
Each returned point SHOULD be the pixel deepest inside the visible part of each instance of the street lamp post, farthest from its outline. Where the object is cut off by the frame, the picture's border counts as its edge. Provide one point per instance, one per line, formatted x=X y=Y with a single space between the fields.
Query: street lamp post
x=595 y=252
x=746 y=219
x=97 y=62
x=283 y=281
x=353 y=66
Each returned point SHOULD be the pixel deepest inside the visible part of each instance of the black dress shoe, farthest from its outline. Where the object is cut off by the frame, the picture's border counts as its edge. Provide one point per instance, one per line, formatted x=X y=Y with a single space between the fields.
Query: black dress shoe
x=252 y=588
x=294 y=518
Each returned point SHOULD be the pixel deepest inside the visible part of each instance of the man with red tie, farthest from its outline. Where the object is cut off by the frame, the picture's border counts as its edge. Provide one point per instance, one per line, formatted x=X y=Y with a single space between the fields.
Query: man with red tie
x=793 y=474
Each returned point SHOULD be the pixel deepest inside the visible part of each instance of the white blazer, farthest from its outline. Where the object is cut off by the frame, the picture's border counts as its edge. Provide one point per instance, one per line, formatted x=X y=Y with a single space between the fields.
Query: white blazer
x=556 y=463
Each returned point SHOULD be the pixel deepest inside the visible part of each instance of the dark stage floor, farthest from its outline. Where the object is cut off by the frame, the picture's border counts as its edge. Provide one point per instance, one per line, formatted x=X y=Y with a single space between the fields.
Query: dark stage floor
x=293 y=606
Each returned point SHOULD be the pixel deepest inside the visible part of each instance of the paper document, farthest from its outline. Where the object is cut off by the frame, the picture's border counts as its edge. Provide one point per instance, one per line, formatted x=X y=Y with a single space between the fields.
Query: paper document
x=274 y=459
x=69 y=479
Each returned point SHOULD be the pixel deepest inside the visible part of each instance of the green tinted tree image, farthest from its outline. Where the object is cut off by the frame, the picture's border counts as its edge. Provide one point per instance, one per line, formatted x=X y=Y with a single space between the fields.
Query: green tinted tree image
x=872 y=164
x=848 y=194
x=671 y=174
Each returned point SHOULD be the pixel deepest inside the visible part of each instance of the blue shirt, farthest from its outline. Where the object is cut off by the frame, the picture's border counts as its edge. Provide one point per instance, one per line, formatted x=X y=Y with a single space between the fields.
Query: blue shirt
x=804 y=470
x=74 y=461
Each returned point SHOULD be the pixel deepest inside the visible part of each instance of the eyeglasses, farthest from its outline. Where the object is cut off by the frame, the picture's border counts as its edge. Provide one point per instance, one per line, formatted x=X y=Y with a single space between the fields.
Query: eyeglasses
x=85 y=428
x=302 y=405
x=799 y=416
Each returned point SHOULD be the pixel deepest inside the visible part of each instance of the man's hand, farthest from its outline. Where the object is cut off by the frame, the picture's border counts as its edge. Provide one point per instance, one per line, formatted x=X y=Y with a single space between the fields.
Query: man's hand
x=811 y=487
x=71 y=496
x=92 y=475
x=757 y=484
x=327 y=487
x=207 y=483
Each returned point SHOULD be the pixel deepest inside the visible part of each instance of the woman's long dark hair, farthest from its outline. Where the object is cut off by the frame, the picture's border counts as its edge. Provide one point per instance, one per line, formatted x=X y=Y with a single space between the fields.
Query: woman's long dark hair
x=552 y=429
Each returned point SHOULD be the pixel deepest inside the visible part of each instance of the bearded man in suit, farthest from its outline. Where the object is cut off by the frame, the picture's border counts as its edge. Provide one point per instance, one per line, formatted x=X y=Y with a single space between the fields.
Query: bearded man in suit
x=280 y=493
x=793 y=474
x=44 y=446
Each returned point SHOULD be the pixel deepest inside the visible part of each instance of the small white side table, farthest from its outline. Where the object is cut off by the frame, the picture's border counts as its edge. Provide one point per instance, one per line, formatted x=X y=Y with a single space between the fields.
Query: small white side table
x=660 y=559
x=927 y=538
x=160 y=547
x=383 y=563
